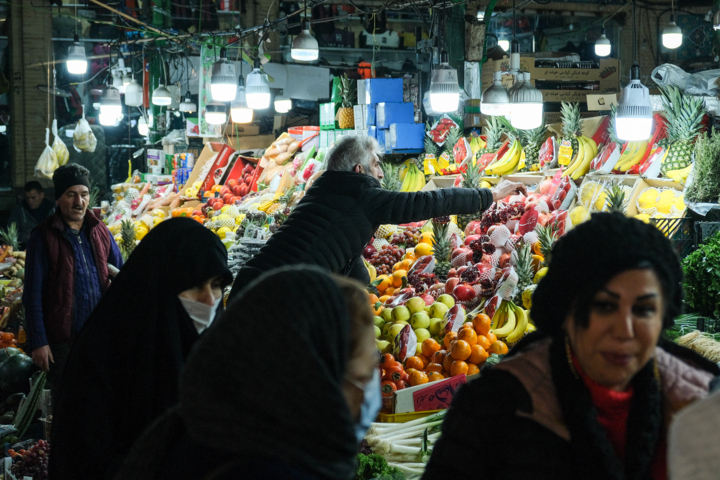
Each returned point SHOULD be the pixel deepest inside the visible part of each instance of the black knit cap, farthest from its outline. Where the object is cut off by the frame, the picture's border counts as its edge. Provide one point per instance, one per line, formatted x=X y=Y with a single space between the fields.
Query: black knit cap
x=590 y=255
x=68 y=176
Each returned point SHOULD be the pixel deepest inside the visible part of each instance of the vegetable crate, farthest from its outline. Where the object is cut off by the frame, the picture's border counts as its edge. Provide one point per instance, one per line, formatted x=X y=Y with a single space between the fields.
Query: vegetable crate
x=679 y=231
x=705 y=230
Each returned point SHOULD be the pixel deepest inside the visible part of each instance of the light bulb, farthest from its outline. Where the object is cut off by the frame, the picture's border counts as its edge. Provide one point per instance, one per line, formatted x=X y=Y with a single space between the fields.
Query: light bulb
x=133 y=94
x=305 y=46
x=142 y=127
x=444 y=88
x=495 y=100
x=107 y=119
x=282 y=104
x=161 y=96
x=215 y=113
x=110 y=104
x=257 y=91
x=239 y=110
x=633 y=120
x=480 y=16
x=222 y=83
x=504 y=44
x=187 y=105
x=672 y=36
x=76 y=59
x=602 y=46
x=527 y=106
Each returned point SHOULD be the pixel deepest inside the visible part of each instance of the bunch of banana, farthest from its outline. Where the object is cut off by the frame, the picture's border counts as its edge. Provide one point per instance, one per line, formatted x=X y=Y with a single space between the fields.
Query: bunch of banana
x=476 y=144
x=404 y=168
x=580 y=165
x=680 y=176
x=632 y=155
x=508 y=163
x=414 y=179
x=509 y=322
x=371 y=270
x=520 y=326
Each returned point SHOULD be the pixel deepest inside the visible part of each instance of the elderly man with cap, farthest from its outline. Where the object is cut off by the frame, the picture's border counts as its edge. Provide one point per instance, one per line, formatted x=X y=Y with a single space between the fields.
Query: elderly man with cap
x=66 y=272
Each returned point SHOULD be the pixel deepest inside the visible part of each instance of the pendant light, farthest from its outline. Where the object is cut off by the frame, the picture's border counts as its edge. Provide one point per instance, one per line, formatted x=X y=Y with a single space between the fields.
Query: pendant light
x=305 y=46
x=495 y=100
x=603 y=47
x=222 y=83
x=633 y=120
x=527 y=106
x=716 y=20
x=216 y=113
x=504 y=44
x=161 y=96
x=133 y=93
x=76 y=59
x=672 y=36
x=188 y=106
x=142 y=126
x=519 y=81
x=110 y=104
x=239 y=110
x=444 y=88
x=282 y=104
x=257 y=92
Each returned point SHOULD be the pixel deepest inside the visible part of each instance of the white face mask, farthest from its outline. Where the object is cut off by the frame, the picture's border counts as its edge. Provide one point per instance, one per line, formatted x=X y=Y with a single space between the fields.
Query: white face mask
x=202 y=314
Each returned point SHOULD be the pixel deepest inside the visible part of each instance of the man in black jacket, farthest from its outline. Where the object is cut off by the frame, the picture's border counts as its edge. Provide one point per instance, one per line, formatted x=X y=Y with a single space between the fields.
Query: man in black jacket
x=340 y=213
x=31 y=212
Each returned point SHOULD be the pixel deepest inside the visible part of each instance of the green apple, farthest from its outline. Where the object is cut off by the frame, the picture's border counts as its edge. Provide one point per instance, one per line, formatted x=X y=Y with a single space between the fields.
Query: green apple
x=447 y=300
x=401 y=313
x=416 y=304
x=379 y=321
x=378 y=332
x=387 y=314
x=420 y=320
x=384 y=346
x=438 y=309
x=422 y=335
x=436 y=325
x=401 y=322
x=427 y=308
x=418 y=349
x=386 y=327
x=395 y=329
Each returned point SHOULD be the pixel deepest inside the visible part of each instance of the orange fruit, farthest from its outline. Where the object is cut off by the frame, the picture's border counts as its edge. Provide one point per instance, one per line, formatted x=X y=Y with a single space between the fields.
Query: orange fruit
x=425 y=360
x=483 y=341
x=468 y=335
x=460 y=350
x=498 y=347
x=423 y=249
x=418 y=378
x=414 y=362
x=435 y=367
x=390 y=290
x=439 y=356
x=429 y=347
x=403 y=265
x=478 y=355
x=458 y=367
x=491 y=336
x=373 y=299
x=447 y=363
x=410 y=370
x=449 y=338
x=537 y=261
x=473 y=369
x=425 y=237
x=386 y=282
x=384 y=298
x=410 y=256
x=482 y=324
x=536 y=249
x=397 y=277
x=435 y=376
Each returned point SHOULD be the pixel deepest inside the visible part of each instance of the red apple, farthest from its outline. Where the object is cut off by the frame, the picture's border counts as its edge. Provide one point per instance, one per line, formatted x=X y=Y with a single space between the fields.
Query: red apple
x=249 y=168
x=225 y=190
x=227 y=198
x=232 y=182
x=464 y=293
x=218 y=204
x=428 y=299
x=368 y=251
x=451 y=284
x=244 y=190
x=237 y=189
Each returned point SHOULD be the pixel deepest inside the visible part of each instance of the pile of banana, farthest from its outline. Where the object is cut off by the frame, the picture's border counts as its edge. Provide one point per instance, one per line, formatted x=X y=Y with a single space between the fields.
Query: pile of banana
x=633 y=154
x=508 y=163
x=509 y=322
x=414 y=179
x=580 y=164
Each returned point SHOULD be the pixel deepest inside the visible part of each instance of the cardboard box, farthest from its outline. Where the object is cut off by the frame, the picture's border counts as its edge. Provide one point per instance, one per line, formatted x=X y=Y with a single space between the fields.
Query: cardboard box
x=192 y=127
x=324 y=138
x=429 y=396
x=241 y=130
x=528 y=179
x=389 y=113
x=371 y=115
x=327 y=115
x=642 y=184
x=378 y=90
x=361 y=96
x=406 y=136
x=200 y=171
x=238 y=166
x=597 y=103
x=372 y=132
x=446 y=181
x=360 y=112
x=223 y=161
x=251 y=143
x=474 y=120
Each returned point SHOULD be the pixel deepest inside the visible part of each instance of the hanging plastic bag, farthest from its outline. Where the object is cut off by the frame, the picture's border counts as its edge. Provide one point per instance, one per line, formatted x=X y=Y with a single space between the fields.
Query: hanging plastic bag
x=83 y=139
x=61 y=152
x=47 y=163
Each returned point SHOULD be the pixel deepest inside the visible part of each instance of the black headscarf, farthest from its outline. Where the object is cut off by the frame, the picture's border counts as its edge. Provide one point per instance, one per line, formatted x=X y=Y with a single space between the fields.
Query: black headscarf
x=124 y=368
x=265 y=383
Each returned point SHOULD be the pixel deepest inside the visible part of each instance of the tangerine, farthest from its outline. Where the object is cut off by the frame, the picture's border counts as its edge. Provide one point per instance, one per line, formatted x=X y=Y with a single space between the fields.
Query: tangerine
x=449 y=338
x=390 y=290
x=484 y=342
x=491 y=336
x=425 y=360
x=498 y=347
x=410 y=256
x=447 y=363
x=414 y=362
x=460 y=350
x=468 y=335
x=435 y=367
x=386 y=282
x=478 y=355
x=482 y=324
x=473 y=369
x=373 y=299
x=435 y=376
x=397 y=278
x=418 y=378
x=425 y=237
x=429 y=347
x=439 y=356
x=458 y=367
x=423 y=249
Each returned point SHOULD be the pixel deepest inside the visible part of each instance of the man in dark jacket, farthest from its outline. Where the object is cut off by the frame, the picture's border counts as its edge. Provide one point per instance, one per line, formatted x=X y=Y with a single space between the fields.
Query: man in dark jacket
x=31 y=211
x=340 y=213
x=66 y=272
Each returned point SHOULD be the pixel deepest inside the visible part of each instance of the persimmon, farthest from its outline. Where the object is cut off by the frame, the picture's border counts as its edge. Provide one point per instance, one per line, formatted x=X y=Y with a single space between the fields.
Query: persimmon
x=435 y=367
x=449 y=338
x=473 y=369
x=418 y=378
x=478 y=355
x=438 y=357
x=483 y=341
x=482 y=324
x=468 y=335
x=429 y=347
x=435 y=376
x=414 y=362
x=387 y=388
x=387 y=360
x=458 y=367
x=460 y=350
x=393 y=373
x=498 y=347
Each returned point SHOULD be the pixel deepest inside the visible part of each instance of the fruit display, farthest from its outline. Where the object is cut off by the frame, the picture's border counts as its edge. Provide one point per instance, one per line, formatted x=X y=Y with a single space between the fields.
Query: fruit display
x=441 y=129
x=348 y=91
x=31 y=463
x=508 y=163
x=684 y=114
x=531 y=141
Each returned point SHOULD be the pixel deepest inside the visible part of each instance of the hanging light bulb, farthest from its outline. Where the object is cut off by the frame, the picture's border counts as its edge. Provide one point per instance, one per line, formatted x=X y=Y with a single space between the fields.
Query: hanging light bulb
x=239 y=110
x=305 y=46
x=188 y=105
x=444 y=88
x=161 y=96
x=504 y=44
x=495 y=100
x=527 y=106
x=282 y=104
x=603 y=46
x=142 y=127
x=76 y=59
x=126 y=81
x=672 y=36
x=222 y=83
x=110 y=104
x=133 y=94
x=107 y=120
x=633 y=120
x=716 y=20
x=519 y=81
x=257 y=91
x=216 y=113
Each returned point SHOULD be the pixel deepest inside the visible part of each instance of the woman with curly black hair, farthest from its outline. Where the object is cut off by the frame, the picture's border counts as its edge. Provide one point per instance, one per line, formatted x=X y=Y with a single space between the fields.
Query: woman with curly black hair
x=592 y=393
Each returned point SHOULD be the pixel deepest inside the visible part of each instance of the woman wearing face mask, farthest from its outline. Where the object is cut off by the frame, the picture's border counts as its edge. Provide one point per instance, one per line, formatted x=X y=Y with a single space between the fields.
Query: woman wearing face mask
x=124 y=369
x=271 y=391
x=591 y=394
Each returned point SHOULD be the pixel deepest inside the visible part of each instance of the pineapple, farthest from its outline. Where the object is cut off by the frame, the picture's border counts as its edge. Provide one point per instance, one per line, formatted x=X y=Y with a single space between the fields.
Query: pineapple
x=442 y=248
x=391 y=177
x=571 y=124
x=615 y=198
x=546 y=237
x=493 y=132
x=451 y=139
x=470 y=179
x=524 y=270
x=431 y=148
x=531 y=141
x=127 y=236
x=9 y=236
x=346 y=114
x=684 y=113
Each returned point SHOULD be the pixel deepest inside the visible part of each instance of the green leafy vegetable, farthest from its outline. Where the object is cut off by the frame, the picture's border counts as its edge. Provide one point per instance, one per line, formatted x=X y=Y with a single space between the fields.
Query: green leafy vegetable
x=372 y=466
x=706 y=183
x=702 y=278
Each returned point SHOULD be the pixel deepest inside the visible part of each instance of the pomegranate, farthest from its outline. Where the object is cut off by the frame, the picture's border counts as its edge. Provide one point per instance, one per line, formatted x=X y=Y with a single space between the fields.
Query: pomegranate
x=464 y=293
x=458 y=251
x=504 y=260
x=428 y=299
x=471 y=238
x=452 y=273
x=451 y=284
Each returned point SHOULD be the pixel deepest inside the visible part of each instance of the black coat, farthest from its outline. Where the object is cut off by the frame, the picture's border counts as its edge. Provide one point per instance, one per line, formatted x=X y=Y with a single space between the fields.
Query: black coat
x=533 y=419
x=339 y=215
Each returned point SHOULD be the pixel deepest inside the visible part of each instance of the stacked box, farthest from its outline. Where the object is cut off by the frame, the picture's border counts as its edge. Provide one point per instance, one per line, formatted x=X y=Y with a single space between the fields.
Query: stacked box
x=328 y=111
x=380 y=90
x=405 y=136
x=389 y=113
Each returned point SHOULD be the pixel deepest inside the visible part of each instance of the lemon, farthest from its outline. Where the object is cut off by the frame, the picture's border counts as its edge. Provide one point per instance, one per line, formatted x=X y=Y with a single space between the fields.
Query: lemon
x=422 y=249
x=157 y=221
x=588 y=193
x=222 y=231
x=680 y=203
x=140 y=232
x=540 y=275
x=158 y=213
x=666 y=202
x=643 y=217
x=648 y=199
x=579 y=214
x=485 y=184
x=224 y=209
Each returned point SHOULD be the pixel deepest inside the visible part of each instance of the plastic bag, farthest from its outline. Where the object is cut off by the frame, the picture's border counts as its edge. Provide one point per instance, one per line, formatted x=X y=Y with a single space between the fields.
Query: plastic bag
x=703 y=83
x=47 y=163
x=83 y=139
x=58 y=146
x=668 y=74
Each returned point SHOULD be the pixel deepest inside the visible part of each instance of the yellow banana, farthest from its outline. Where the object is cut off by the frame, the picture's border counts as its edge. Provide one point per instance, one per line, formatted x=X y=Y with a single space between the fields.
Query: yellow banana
x=635 y=159
x=584 y=167
x=680 y=175
x=508 y=163
x=500 y=316
x=420 y=179
x=593 y=146
x=408 y=182
x=501 y=161
x=579 y=158
x=509 y=326
x=520 y=327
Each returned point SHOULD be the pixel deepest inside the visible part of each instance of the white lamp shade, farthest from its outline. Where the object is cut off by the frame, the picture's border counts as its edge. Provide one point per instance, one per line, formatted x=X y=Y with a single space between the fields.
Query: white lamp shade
x=241 y=115
x=526 y=106
x=504 y=44
x=305 y=47
x=444 y=89
x=602 y=46
x=223 y=83
x=257 y=91
x=110 y=104
x=133 y=94
x=161 y=96
x=142 y=127
x=633 y=120
x=215 y=113
x=76 y=59
x=633 y=128
x=282 y=104
x=495 y=100
x=672 y=36
x=107 y=119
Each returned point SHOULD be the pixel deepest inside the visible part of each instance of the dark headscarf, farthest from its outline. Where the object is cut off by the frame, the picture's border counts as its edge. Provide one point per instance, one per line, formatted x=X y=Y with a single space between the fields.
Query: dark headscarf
x=265 y=383
x=124 y=368
x=591 y=254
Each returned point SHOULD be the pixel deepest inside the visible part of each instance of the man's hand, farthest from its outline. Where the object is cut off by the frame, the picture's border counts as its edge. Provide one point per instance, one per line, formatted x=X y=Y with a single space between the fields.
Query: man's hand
x=42 y=356
x=508 y=188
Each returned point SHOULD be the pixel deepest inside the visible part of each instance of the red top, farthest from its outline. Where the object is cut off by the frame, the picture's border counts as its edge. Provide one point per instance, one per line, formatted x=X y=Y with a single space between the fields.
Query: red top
x=613 y=411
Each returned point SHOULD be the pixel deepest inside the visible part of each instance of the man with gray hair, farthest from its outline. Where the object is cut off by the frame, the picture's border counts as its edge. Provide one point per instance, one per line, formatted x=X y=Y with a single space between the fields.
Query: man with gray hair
x=342 y=210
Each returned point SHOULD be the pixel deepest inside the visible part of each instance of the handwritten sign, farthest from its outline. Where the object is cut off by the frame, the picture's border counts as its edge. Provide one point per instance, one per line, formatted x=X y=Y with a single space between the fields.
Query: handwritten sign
x=438 y=395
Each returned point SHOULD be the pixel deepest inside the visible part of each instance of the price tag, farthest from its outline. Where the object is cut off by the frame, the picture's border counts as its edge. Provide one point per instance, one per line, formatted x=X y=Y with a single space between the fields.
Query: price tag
x=565 y=153
x=430 y=165
x=444 y=161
